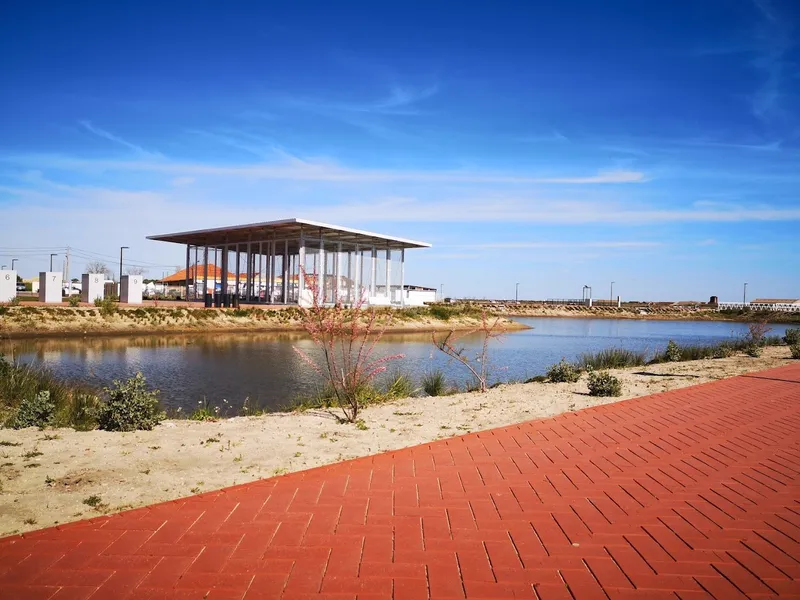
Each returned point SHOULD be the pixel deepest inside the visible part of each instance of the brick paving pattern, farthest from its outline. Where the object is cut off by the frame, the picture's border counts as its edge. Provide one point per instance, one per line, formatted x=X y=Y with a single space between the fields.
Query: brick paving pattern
x=687 y=494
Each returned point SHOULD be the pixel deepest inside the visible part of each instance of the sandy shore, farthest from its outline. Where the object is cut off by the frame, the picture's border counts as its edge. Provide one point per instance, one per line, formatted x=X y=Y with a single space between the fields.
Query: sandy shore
x=47 y=477
x=36 y=320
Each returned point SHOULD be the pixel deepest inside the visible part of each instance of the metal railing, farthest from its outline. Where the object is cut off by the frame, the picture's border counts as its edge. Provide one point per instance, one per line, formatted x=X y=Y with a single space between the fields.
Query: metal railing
x=769 y=306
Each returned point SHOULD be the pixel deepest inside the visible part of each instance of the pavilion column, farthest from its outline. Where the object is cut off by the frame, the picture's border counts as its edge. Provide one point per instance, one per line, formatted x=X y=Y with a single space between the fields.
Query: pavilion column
x=205 y=272
x=248 y=272
x=357 y=277
x=403 y=277
x=301 y=280
x=194 y=271
x=285 y=270
x=188 y=257
x=260 y=270
x=337 y=270
x=271 y=267
x=321 y=275
x=389 y=275
x=238 y=271
x=224 y=261
x=373 y=272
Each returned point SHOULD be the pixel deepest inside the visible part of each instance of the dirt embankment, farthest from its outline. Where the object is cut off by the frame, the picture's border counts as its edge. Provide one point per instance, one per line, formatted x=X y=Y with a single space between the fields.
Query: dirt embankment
x=655 y=312
x=54 y=476
x=57 y=321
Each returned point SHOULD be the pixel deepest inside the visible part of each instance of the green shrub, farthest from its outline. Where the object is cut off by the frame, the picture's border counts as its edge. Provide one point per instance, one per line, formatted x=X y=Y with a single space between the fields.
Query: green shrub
x=753 y=350
x=434 y=384
x=673 y=352
x=35 y=411
x=400 y=386
x=792 y=336
x=613 y=358
x=563 y=372
x=603 y=383
x=130 y=406
x=536 y=379
x=723 y=351
x=107 y=306
x=73 y=300
x=795 y=350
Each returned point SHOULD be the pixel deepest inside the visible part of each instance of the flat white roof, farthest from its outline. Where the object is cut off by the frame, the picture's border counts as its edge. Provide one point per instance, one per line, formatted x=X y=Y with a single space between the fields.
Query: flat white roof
x=285 y=229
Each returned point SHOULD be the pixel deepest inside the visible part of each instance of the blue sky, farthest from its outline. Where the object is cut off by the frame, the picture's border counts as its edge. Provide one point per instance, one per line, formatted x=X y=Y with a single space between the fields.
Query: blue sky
x=655 y=144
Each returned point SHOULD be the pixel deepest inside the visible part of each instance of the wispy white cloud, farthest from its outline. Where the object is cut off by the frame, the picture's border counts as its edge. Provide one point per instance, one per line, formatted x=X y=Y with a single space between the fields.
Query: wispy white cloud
x=508 y=209
x=566 y=244
x=774 y=39
x=296 y=169
x=400 y=101
x=116 y=139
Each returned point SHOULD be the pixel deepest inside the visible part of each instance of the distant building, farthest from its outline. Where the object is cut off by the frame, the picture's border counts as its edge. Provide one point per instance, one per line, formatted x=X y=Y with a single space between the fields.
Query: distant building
x=775 y=301
x=294 y=261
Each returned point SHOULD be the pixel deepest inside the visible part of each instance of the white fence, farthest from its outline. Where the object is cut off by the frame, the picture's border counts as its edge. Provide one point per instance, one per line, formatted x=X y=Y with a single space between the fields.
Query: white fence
x=772 y=306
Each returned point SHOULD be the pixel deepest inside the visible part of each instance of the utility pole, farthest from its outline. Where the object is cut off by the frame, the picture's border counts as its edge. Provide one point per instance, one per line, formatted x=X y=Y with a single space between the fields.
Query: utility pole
x=66 y=269
x=441 y=292
x=120 y=262
x=744 y=295
x=612 y=292
x=51 y=261
x=516 y=294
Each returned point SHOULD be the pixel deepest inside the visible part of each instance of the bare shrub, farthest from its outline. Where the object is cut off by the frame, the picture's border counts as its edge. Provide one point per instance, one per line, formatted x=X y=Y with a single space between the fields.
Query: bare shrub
x=477 y=365
x=346 y=338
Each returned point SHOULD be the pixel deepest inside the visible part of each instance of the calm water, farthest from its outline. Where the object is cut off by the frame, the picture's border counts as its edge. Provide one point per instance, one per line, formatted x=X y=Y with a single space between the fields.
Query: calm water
x=265 y=369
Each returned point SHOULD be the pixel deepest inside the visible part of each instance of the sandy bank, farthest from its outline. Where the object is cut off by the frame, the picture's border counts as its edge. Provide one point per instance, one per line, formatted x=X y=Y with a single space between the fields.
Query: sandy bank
x=45 y=476
x=37 y=321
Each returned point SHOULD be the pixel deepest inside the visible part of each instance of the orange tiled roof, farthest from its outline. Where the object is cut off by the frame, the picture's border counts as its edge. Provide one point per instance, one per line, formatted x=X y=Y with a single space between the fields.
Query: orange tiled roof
x=214 y=272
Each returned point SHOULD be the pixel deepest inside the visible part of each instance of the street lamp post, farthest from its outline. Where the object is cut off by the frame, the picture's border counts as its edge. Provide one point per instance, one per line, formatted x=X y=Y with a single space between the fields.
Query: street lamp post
x=120 y=261
x=51 y=261
x=441 y=292
x=744 y=295
x=612 y=292
x=13 y=262
x=516 y=294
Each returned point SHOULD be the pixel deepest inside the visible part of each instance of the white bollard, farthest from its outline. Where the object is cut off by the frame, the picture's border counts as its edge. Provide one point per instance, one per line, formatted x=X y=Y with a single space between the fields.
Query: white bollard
x=50 y=287
x=8 y=285
x=92 y=287
x=131 y=289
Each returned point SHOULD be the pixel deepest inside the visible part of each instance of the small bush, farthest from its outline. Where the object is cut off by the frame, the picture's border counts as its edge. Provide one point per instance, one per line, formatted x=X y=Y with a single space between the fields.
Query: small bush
x=36 y=411
x=756 y=332
x=753 y=350
x=434 y=384
x=795 y=350
x=73 y=300
x=673 y=352
x=792 y=336
x=400 y=386
x=107 y=306
x=536 y=379
x=130 y=406
x=613 y=358
x=723 y=351
x=563 y=372
x=603 y=383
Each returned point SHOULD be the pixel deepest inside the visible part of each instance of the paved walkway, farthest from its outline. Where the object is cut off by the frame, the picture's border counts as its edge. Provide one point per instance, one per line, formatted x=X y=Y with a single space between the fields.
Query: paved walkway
x=688 y=494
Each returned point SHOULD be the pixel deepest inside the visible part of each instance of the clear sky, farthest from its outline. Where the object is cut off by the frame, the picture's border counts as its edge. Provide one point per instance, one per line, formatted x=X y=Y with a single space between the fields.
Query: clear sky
x=554 y=144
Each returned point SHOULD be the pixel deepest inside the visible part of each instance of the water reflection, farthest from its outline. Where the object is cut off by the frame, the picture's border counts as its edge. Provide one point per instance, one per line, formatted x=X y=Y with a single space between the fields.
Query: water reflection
x=263 y=367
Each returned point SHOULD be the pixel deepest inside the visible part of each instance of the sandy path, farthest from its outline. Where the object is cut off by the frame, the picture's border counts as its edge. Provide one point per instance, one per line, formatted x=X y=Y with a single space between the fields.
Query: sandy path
x=45 y=476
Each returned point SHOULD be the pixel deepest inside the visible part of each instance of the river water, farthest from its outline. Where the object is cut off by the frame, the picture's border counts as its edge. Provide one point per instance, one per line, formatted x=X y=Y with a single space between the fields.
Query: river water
x=225 y=369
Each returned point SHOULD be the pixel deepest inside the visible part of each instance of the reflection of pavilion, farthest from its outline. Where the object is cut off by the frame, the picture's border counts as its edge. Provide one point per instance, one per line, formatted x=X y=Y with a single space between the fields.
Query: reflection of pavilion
x=280 y=262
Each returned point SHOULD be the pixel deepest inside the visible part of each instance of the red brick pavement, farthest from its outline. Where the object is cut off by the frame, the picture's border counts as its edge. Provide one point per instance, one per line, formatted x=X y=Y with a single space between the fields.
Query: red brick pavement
x=688 y=494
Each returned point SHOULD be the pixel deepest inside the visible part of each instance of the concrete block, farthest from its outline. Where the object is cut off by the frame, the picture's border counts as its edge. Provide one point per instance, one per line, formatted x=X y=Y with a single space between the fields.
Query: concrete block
x=50 y=284
x=131 y=287
x=8 y=285
x=92 y=287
